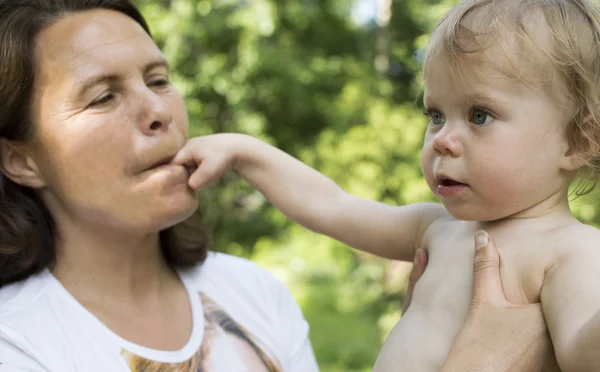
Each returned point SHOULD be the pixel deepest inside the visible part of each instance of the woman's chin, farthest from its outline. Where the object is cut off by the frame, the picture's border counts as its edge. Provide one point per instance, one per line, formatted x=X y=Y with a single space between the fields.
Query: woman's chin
x=175 y=212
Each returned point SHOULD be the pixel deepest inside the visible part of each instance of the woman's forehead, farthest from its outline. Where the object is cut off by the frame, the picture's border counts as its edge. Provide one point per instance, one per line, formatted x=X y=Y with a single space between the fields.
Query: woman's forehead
x=81 y=43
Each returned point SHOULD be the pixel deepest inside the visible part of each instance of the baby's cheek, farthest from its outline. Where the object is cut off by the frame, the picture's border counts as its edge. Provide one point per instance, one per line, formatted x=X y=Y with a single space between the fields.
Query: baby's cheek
x=427 y=159
x=429 y=178
x=504 y=196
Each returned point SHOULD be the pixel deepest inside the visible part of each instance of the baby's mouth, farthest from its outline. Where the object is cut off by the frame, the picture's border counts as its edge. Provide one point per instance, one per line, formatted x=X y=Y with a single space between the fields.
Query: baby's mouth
x=447 y=182
x=449 y=188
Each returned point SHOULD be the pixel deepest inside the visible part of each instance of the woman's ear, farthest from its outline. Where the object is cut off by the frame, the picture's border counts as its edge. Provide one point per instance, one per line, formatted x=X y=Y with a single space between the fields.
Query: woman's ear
x=19 y=166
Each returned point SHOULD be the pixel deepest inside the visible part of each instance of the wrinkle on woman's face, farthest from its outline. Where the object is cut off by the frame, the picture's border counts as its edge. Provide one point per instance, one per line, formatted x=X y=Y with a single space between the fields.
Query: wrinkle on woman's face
x=102 y=87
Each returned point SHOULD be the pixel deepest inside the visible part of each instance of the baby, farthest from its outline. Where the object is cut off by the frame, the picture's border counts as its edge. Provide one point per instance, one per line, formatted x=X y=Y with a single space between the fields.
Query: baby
x=512 y=92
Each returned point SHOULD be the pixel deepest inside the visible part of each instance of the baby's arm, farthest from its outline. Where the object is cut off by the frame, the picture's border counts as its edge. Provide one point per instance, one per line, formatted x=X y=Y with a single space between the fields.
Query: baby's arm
x=313 y=200
x=571 y=304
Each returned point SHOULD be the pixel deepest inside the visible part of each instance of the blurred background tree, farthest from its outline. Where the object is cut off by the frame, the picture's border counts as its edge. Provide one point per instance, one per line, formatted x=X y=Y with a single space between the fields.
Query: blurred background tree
x=335 y=83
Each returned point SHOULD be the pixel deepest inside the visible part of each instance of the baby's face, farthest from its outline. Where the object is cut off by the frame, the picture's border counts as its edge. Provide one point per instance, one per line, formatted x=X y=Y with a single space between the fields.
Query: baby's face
x=494 y=147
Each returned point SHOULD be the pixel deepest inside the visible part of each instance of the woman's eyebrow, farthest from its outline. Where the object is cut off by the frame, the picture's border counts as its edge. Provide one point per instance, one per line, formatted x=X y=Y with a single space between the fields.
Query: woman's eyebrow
x=158 y=62
x=94 y=80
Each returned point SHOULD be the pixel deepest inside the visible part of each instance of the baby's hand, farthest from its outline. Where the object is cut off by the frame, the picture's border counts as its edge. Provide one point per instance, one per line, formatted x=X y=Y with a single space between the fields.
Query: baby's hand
x=208 y=157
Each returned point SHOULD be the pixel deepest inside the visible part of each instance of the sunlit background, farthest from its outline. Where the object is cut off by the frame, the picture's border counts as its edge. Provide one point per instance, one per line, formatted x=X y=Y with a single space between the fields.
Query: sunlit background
x=333 y=82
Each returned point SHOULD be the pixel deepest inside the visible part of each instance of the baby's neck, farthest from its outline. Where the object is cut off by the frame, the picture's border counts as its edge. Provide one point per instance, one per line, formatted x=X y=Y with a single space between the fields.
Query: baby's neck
x=561 y=215
x=553 y=209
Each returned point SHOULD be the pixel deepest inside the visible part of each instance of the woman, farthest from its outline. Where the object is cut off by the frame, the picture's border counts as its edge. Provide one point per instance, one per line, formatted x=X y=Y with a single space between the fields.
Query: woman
x=95 y=274
x=102 y=267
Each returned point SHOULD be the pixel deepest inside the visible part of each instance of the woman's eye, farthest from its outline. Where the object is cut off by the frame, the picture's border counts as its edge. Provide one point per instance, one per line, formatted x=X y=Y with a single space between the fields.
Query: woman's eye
x=102 y=100
x=481 y=117
x=159 y=83
x=435 y=117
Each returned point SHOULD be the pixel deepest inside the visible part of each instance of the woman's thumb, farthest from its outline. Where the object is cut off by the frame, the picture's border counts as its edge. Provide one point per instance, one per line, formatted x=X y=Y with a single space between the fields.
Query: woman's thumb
x=487 y=283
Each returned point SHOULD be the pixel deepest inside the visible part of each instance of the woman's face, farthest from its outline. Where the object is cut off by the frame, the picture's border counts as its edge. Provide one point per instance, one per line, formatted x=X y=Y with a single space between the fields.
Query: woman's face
x=106 y=114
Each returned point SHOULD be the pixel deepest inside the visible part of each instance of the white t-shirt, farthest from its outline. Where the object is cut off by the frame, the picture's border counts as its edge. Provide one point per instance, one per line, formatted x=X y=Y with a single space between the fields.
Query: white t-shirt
x=244 y=320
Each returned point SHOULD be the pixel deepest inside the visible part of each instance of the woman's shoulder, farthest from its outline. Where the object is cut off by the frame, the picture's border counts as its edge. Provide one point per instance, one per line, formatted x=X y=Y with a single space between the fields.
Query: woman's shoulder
x=259 y=303
x=226 y=272
x=237 y=283
x=31 y=319
x=218 y=261
x=22 y=295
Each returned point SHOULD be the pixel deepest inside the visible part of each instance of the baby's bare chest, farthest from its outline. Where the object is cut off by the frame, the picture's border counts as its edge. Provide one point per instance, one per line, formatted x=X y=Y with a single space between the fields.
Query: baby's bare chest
x=445 y=289
x=442 y=296
x=448 y=278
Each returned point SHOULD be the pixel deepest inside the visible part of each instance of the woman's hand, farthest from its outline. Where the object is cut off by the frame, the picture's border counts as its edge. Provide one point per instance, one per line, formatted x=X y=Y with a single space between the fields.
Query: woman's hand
x=419 y=265
x=497 y=335
x=208 y=157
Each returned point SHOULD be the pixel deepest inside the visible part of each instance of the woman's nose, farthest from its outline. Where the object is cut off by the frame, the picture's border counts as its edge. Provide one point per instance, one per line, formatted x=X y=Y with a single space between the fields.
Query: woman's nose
x=157 y=116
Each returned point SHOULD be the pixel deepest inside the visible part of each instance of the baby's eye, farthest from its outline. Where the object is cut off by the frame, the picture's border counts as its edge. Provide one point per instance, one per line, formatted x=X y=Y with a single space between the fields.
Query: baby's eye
x=481 y=117
x=435 y=117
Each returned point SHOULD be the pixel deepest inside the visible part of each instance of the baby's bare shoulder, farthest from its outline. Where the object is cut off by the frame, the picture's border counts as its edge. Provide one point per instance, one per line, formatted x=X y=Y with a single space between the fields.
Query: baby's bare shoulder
x=576 y=238
x=575 y=243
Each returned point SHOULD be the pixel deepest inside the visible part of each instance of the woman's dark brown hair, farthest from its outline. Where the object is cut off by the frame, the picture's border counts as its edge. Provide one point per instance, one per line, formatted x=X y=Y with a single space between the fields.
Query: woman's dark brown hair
x=27 y=230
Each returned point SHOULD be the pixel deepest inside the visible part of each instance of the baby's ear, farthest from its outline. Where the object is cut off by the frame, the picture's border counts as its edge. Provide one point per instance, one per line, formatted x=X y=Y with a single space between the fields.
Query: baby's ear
x=573 y=160
x=581 y=145
x=18 y=165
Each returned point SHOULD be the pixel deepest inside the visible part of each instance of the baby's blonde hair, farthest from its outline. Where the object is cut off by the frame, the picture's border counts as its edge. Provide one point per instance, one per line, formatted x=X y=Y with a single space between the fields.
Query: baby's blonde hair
x=563 y=56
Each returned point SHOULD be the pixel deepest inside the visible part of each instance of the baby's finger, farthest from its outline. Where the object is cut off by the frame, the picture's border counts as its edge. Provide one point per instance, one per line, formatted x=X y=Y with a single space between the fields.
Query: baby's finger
x=191 y=153
x=204 y=174
x=185 y=156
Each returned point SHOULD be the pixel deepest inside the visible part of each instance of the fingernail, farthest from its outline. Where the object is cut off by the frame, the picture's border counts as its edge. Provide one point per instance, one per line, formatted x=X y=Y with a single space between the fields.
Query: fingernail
x=418 y=255
x=481 y=239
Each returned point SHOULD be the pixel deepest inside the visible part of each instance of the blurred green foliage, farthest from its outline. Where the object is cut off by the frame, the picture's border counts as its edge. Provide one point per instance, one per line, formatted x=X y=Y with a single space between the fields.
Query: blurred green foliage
x=300 y=74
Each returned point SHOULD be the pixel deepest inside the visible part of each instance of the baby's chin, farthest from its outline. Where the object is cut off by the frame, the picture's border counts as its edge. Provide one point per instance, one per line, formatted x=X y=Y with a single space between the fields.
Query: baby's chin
x=474 y=214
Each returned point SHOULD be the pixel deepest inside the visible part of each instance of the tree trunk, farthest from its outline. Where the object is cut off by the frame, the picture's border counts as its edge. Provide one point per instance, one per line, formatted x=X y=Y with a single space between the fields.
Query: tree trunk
x=382 y=57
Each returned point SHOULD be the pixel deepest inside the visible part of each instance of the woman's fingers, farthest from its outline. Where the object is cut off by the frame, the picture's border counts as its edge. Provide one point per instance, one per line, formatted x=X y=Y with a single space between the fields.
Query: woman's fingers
x=487 y=283
x=419 y=265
